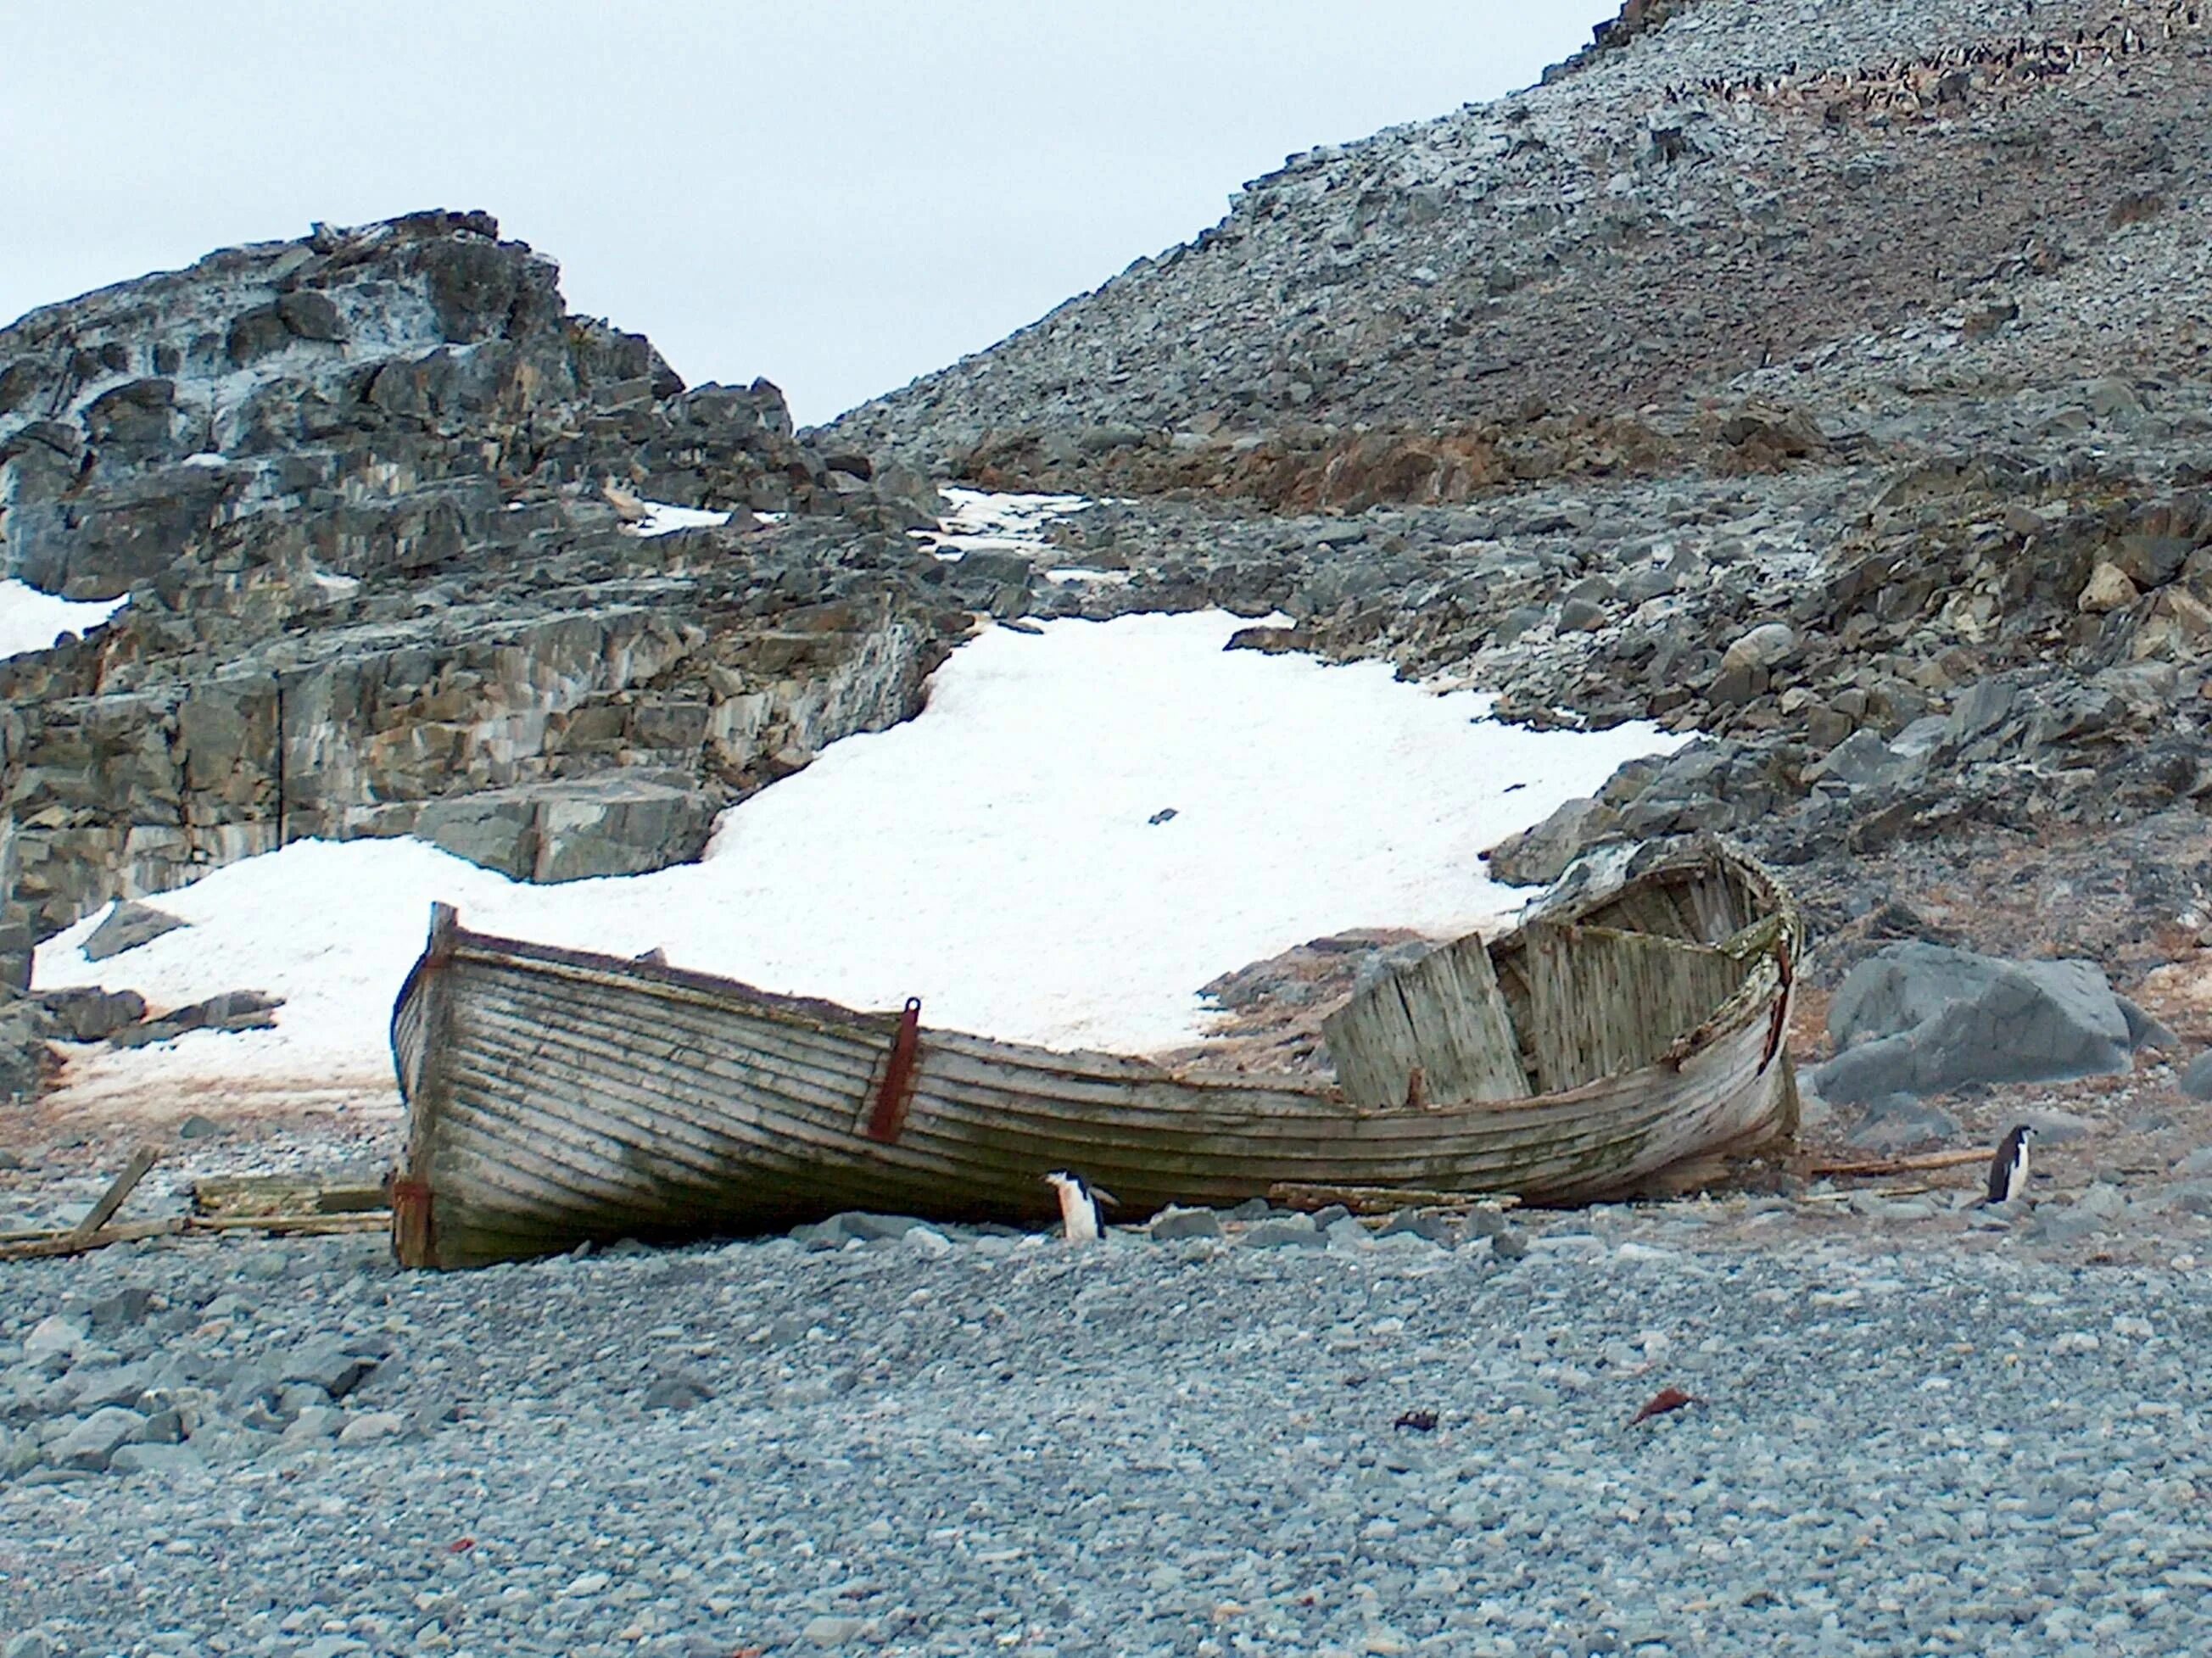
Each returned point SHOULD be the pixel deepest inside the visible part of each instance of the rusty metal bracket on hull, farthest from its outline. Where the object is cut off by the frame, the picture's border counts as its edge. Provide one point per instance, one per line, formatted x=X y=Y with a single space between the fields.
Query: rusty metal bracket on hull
x=890 y=1115
x=413 y=1235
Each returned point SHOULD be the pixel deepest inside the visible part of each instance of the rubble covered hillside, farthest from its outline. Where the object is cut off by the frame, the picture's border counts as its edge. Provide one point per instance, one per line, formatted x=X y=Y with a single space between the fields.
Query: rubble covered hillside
x=1831 y=380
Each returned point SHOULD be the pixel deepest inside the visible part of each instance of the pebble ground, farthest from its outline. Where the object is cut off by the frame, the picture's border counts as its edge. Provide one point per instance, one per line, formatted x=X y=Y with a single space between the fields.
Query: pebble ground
x=956 y=1443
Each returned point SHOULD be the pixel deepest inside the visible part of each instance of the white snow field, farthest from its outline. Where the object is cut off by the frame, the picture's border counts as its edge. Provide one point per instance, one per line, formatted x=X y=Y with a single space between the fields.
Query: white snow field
x=994 y=856
x=30 y=620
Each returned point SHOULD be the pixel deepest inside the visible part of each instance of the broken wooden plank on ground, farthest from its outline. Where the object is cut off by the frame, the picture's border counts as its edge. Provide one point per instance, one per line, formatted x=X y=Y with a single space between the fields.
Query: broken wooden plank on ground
x=365 y=1220
x=1874 y=1168
x=228 y=1195
x=74 y=1241
x=117 y=1189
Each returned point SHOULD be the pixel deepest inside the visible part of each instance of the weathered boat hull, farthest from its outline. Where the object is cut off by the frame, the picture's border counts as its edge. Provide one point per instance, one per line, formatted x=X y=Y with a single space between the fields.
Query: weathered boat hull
x=556 y=1095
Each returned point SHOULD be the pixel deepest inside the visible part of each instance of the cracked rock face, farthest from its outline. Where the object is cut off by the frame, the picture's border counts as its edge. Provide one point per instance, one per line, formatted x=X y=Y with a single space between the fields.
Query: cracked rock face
x=374 y=496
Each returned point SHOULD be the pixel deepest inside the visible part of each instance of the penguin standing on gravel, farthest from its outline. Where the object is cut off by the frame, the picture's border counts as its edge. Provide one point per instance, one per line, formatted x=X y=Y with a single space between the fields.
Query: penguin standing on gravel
x=2008 y=1168
x=1078 y=1205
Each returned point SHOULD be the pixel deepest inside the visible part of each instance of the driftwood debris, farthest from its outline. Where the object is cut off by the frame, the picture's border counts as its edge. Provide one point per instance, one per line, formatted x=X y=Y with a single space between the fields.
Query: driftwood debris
x=69 y=1241
x=73 y=1240
x=118 y=1189
x=285 y=1196
x=1876 y=1167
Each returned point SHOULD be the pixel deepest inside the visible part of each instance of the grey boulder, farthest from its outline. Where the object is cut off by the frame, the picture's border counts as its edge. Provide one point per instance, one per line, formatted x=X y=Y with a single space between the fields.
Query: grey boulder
x=1919 y=1018
x=1539 y=856
x=128 y=925
x=89 y=1015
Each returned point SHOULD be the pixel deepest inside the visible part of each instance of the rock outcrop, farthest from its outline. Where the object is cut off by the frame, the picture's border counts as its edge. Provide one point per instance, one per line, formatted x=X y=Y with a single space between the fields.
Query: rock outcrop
x=382 y=511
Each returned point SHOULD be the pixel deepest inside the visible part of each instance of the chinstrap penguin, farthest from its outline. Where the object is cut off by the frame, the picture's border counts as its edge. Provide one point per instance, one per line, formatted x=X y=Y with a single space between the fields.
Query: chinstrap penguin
x=2008 y=1168
x=1078 y=1205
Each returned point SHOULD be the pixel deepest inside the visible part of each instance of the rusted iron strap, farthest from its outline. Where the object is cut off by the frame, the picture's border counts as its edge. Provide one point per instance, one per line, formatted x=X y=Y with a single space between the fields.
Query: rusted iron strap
x=890 y=1115
x=413 y=1233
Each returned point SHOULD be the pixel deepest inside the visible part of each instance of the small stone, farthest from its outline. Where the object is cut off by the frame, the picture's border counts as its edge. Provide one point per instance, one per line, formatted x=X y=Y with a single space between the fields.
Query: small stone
x=327 y=1365
x=196 y=1127
x=316 y=1422
x=676 y=1393
x=372 y=1425
x=125 y=1307
x=1416 y=1222
x=156 y=1459
x=590 y=1584
x=95 y=1440
x=2197 y=1079
x=826 y=1630
x=1511 y=1244
x=927 y=1241
x=1172 y=1223
x=2191 y=1197
x=1283 y=1231
x=53 y=1335
x=164 y=1427
x=2108 y=589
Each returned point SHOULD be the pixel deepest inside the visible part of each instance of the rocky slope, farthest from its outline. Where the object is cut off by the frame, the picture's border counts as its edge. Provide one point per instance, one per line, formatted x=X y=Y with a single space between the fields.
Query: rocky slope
x=1832 y=381
x=1554 y=278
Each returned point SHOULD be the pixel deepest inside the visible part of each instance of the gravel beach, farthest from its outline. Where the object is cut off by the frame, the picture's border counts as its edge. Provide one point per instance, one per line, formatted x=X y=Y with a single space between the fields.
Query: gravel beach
x=944 y=1442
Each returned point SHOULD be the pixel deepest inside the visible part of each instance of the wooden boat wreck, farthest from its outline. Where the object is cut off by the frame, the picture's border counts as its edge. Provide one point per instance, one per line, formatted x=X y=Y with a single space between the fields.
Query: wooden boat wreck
x=1632 y=1024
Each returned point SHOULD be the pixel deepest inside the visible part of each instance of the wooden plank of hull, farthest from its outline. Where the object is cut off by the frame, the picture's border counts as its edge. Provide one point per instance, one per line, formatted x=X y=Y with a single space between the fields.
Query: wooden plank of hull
x=1604 y=1001
x=1442 y=1017
x=556 y=1096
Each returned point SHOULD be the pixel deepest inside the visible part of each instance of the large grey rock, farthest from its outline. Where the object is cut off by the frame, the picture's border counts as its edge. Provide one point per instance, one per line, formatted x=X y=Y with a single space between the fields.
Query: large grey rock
x=128 y=925
x=24 y=1061
x=573 y=830
x=1540 y=855
x=1919 y=1018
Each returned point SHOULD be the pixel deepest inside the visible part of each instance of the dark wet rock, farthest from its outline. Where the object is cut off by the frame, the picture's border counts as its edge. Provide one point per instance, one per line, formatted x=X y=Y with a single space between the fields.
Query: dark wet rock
x=235 y=1009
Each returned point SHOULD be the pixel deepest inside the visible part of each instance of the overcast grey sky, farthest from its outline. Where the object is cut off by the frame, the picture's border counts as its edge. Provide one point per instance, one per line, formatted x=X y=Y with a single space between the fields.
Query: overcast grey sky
x=838 y=196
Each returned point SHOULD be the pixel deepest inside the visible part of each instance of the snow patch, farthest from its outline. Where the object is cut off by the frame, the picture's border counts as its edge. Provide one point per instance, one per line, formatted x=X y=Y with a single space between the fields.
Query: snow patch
x=980 y=518
x=31 y=620
x=661 y=518
x=995 y=856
